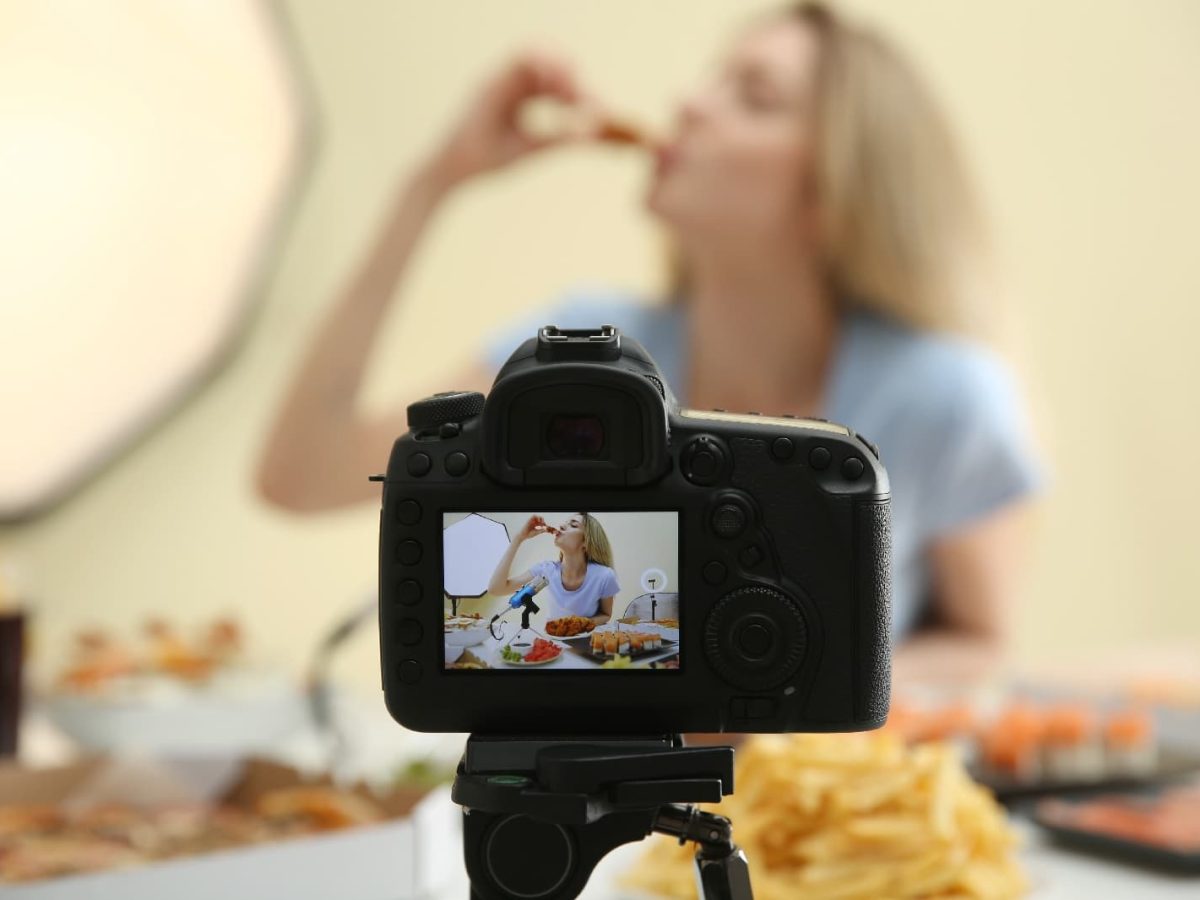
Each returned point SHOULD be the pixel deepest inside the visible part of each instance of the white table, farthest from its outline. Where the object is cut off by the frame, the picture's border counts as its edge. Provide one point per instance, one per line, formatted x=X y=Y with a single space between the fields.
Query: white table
x=1056 y=873
x=489 y=649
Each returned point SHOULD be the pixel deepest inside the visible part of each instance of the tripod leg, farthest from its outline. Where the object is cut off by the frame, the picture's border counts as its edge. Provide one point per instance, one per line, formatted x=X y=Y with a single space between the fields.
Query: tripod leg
x=724 y=876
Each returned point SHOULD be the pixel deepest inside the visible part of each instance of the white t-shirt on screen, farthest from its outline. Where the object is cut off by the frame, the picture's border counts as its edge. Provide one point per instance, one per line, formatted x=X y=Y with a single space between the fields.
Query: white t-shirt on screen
x=599 y=581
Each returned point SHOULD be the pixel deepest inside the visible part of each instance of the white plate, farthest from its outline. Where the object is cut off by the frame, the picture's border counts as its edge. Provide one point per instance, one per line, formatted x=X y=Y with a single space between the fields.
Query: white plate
x=520 y=664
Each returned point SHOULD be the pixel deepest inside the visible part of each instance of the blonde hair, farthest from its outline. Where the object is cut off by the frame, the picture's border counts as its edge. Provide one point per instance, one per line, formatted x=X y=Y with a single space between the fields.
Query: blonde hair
x=900 y=225
x=596 y=547
x=901 y=230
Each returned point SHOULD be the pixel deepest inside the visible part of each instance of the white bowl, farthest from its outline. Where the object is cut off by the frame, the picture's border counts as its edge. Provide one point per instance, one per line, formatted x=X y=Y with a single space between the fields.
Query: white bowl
x=229 y=715
x=467 y=637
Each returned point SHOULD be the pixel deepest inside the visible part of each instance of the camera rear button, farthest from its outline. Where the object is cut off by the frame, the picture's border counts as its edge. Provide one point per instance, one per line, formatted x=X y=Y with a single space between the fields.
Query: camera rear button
x=409 y=553
x=409 y=592
x=852 y=468
x=820 y=458
x=410 y=671
x=408 y=512
x=754 y=640
x=457 y=463
x=728 y=520
x=714 y=572
x=409 y=631
x=782 y=448
x=419 y=464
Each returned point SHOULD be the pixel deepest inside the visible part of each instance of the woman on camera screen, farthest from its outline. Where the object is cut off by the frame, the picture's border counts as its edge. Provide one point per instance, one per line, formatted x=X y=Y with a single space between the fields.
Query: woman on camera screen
x=581 y=581
x=826 y=245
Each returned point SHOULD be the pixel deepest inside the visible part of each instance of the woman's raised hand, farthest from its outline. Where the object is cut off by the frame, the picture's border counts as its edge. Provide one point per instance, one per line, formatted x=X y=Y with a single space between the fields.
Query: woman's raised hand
x=534 y=526
x=489 y=136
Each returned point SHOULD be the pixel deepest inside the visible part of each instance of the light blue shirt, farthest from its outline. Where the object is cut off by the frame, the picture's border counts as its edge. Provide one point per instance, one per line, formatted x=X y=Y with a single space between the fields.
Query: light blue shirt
x=599 y=581
x=944 y=412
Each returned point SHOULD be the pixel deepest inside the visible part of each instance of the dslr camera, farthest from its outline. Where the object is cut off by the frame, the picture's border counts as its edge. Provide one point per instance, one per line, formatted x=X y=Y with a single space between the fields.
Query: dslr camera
x=578 y=555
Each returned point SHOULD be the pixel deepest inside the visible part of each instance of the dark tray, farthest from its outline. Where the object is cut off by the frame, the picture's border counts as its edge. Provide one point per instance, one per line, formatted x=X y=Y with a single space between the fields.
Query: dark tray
x=581 y=645
x=1112 y=846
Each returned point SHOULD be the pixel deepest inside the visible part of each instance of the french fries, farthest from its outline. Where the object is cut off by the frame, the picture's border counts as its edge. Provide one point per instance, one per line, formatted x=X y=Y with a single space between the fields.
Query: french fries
x=843 y=817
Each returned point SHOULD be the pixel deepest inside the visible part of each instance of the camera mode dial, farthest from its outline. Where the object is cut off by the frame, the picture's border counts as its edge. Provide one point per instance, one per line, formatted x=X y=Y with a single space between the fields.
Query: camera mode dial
x=440 y=409
x=755 y=638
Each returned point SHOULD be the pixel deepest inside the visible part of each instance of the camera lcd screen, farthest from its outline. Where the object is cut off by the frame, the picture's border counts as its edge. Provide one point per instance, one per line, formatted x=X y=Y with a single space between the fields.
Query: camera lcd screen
x=561 y=591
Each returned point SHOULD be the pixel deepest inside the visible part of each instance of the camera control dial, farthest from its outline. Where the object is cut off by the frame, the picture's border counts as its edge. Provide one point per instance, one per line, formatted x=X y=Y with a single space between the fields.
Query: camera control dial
x=755 y=638
x=443 y=408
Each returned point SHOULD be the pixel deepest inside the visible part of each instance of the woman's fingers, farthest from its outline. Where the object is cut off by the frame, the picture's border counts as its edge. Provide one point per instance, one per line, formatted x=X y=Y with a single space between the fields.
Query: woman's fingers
x=491 y=134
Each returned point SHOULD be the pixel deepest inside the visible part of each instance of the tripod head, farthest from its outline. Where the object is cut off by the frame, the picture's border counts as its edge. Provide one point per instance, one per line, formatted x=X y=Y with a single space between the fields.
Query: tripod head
x=539 y=813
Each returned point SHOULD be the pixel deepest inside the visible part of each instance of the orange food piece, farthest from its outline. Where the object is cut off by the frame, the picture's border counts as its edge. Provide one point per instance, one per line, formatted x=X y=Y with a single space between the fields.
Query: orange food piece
x=1069 y=725
x=324 y=807
x=617 y=132
x=569 y=626
x=1128 y=728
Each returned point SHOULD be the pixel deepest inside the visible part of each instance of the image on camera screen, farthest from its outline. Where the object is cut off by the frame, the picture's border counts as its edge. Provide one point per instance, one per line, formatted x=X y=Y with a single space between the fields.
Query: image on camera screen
x=561 y=590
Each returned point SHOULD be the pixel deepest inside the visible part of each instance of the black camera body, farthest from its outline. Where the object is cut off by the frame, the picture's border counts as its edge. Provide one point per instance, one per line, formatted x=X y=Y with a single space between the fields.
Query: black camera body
x=783 y=554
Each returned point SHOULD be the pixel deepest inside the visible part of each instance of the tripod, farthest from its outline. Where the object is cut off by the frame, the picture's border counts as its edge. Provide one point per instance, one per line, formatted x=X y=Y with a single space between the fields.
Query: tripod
x=540 y=813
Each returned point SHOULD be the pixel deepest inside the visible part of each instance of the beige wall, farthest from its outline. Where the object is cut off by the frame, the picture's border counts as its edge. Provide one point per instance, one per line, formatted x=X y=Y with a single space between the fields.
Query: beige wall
x=1081 y=119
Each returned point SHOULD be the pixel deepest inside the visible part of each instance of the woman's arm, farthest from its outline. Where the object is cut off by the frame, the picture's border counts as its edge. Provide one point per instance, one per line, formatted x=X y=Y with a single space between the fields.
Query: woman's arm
x=501 y=583
x=606 y=608
x=321 y=447
x=977 y=573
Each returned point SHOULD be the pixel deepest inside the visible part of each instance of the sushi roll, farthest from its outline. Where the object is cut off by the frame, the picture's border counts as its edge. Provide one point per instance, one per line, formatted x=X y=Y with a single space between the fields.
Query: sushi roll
x=1072 y=744
x=1129 y=742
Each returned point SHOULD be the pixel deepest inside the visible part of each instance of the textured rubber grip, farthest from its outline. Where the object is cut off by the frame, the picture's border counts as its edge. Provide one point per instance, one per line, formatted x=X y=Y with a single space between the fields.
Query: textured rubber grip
x=873 y=524
x=448 y=406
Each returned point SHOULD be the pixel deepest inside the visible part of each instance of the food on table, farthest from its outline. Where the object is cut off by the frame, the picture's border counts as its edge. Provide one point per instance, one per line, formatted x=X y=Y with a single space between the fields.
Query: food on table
x=1028 y=742
x=461 y=622
x=629 y=620
x=101 y=661
x=98 y=660
x=853 y=816
x=618 y=643
x=543 y=650
x=223 y=640
x=170 y=653
x=469 y=660
x=320 y=807
x=617 y=662
x=1072 y=743
x=1170 y=821
x=38 y=842
x=569 y=626
x=665 y=623
x=1129 y=742
x=1012 y=744
x=508 y=654
x=424 y=772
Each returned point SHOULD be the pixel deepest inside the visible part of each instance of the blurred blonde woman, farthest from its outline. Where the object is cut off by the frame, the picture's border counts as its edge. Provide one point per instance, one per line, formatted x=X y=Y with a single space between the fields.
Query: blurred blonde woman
x=827 y=242
x=582 y=581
